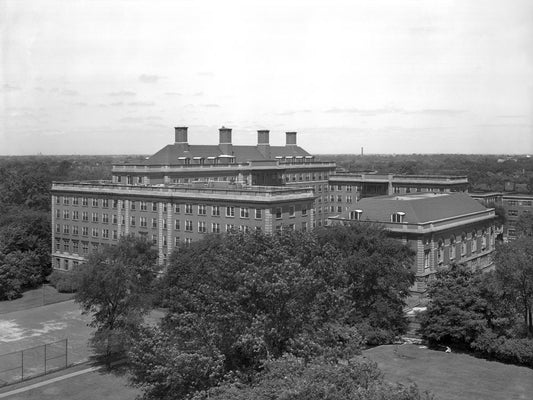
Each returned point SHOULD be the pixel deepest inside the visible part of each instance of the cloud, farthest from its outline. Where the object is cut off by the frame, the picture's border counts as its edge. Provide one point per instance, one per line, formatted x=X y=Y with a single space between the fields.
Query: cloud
x=211 y=105
x=9 y=88
x=123 y=93
x=149 y=78
x=206 y=73
x=117 y=104
x=141 y=103
x=391 y=110
x=69 y=92
x=293 y=112
x=198 y=94
x=81 y=104
x=140 y=119
x=172 y=94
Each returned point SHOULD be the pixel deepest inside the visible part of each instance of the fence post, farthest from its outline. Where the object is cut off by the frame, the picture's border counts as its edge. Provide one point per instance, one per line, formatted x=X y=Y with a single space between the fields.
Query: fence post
x=45 y=358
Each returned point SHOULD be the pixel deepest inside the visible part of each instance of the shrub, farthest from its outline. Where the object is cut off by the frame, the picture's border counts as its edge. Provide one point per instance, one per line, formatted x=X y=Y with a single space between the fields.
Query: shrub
x=63 y=281
x=514 y=351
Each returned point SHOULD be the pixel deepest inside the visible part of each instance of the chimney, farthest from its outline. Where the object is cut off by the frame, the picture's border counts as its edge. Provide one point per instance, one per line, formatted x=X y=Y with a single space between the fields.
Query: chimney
x=291 y=138
x=180 y=133
x=225 y=140
x=263 y=143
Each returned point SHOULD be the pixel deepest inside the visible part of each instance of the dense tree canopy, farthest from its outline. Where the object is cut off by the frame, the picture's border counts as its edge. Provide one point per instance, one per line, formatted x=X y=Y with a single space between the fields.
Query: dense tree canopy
x=238 y=299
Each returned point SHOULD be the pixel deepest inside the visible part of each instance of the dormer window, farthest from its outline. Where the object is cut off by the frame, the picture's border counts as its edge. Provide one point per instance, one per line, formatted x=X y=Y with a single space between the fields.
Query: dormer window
x=198 y=160
x=397 y=217
x=356 y=215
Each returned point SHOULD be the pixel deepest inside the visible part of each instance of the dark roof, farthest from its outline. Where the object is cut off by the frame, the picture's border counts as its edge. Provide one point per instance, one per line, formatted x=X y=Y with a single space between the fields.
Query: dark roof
x=170 y=154
x=418 y=208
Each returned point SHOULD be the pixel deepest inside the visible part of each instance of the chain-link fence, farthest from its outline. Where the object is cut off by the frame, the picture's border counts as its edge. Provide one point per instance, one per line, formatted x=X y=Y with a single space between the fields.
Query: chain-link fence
x=32 y=362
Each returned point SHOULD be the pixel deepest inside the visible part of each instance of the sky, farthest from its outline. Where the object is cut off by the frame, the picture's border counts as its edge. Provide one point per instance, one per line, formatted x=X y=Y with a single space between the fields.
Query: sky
x=392 y=76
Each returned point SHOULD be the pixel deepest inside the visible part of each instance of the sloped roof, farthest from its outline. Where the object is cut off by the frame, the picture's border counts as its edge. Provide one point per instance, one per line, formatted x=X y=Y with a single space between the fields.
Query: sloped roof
x=170 y=154
x=418 y=208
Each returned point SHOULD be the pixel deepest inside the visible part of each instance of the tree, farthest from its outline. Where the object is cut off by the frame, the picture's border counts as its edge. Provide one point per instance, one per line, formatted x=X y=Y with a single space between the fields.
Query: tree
x=514 y=270
x=524 y=225
x=292 y=378
x=115 y=286
x=457 y=313
x=238 y=299
x=378 y=269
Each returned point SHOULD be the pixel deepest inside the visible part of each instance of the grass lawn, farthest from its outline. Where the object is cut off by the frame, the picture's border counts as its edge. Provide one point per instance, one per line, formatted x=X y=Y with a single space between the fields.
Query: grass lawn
x=46 y=294
x=451 y=376
x=89 y=386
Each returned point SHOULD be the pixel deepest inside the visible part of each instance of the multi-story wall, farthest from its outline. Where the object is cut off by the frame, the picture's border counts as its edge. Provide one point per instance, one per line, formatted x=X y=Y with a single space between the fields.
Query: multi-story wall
x=441 y=228
x=87 y=215
x=515 y=206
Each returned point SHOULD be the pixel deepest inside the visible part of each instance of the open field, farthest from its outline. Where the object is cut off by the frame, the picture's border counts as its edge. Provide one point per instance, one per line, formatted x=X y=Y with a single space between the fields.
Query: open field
x=453 y=376
x=46 y=294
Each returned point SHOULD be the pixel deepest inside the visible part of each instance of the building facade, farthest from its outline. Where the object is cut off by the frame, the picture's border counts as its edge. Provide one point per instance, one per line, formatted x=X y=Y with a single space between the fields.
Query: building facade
x=441 y=228
x=185 y=191
x=88 y=215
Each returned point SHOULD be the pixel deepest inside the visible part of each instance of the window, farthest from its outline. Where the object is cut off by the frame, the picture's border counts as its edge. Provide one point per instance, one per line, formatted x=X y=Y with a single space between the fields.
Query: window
x=105 y=218
x=85 y=231
x=95 y=217
x=349 y=188
x=188 y=241
x=142 y=222
x=202 y=209
x=512 y=213
x=215 y=211
x=339 y=199
x=105 y=233
x=85 y=247
x=114 y=219
x=58 y=244
x=66 y=229
x=176 y=241
x=105 y=203
x=85 y=216
x=304 y=226
x=132 y=220
x=84 y=201
x=58 y=228
x=339 y=209
x=278 y=213
x=177 y=208
x=397 y=217
x=75 y=215
x=201 y=227
x=215 y=227
x=229 y=227
x=58 y=199
x=143 y=206
x=132 y=205
x=66 y=246
x=440 y=254
x=452 y=248
x=474 y=242
x=426 y=259
x=115 y=203
x=66 y=200
x=349 y=199
x=245 y=212
x=95 y=202
x=463 y=247
x=75 y=246
x=115 y=235
x=177 y=224
x=58 y=213
x=292 y=211
x=154 y=206
x=188 y=208
x=230 y=211
x=154 y=223
x=258 y=213
x=94 y=232
x=66 y=214
x=75 y=229
x=188 y=226
x=154 y=239
x=164 y=224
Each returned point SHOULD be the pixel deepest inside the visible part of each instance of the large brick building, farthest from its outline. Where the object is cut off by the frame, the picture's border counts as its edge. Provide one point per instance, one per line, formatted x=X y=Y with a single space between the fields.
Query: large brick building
x=442 y=228
x=184 y=191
